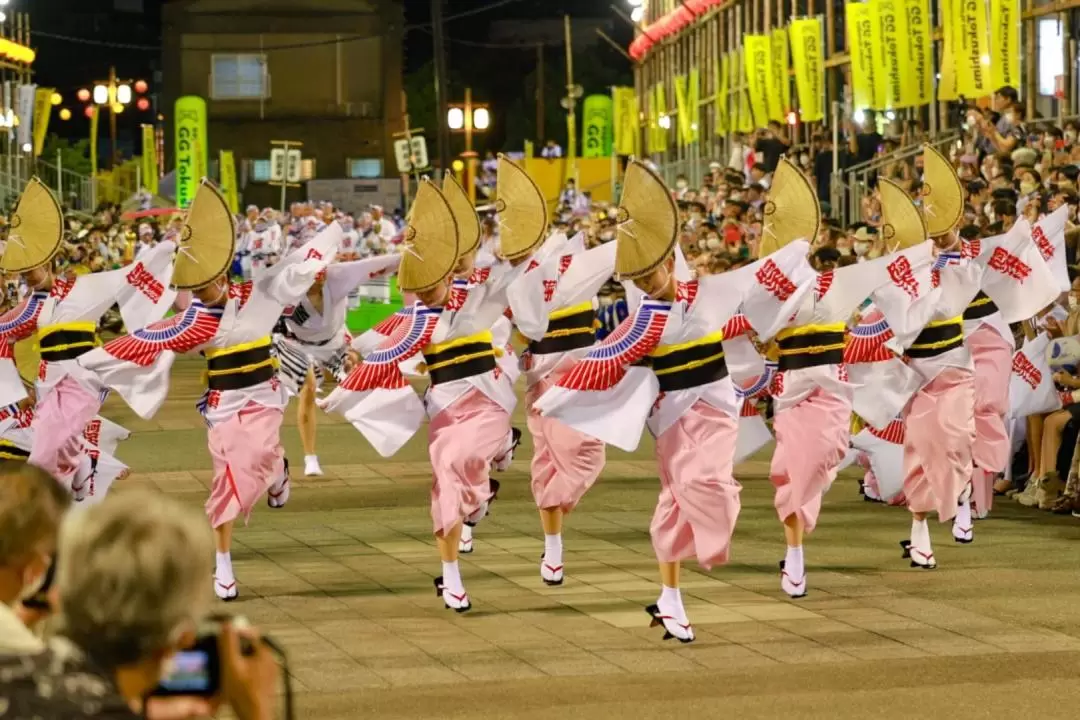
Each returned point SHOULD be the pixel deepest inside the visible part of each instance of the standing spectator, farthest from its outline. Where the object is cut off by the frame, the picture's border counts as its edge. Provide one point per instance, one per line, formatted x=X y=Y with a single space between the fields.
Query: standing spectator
x=32 y=504
x=863 y=146
x=769 y=147
x=551 y=151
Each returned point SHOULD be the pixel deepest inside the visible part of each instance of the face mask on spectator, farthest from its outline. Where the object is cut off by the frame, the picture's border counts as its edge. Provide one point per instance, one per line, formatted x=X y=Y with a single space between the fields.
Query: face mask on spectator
x=804 y=159
x=1027 y=187
x=681 y=184
x=1070 y=136
x=860 y=247
x=712 y=243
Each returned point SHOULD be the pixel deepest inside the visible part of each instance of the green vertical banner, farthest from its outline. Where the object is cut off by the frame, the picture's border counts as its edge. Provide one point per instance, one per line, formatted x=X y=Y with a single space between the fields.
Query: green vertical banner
x=596 y=132
x=191 y=147
x=693 y=100
x=625 y=109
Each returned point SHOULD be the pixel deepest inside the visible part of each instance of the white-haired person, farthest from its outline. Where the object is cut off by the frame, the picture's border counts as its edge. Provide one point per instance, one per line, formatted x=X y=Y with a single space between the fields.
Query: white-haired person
x=128 y=602
x=32 y=504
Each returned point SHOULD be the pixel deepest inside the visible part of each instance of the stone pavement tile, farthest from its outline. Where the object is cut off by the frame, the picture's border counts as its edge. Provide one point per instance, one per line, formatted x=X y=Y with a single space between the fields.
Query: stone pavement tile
x=701 y=613
x=940 y=642
x=773 y=611
x=356 y=472
x=938 y=614
x=567 y=662
x=437 y=636
x=874 y=620
x=493 y=665
x=513 y=631
x=395 y=470
x=1029 y=640
x=335 y=675
x=752 y=631
x=649 y=661
x=621 y=618
x=716 y=655
x=434 y=674
x=309 y=608
x=798 y=652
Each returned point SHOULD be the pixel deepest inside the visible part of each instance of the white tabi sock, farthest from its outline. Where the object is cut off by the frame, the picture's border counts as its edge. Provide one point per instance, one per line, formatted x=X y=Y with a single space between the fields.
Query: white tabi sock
x=963 y=515
x=670 y=603
x=451 y=575
x=466 y=533
x=224 y=572
x=553 y=550
x=794 y=565
x=920 y=535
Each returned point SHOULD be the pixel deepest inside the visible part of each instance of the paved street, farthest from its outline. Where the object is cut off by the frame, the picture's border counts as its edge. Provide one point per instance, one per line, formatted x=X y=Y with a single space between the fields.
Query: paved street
x=343 y=576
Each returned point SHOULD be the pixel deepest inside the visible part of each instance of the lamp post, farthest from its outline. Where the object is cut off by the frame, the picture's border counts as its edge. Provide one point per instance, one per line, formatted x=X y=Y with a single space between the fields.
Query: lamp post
x=115 y=94
x=468 y=118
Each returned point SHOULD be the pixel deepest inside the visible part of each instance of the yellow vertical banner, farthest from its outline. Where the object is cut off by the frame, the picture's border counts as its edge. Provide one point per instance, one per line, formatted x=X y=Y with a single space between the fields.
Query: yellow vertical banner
x=682 y=111
x=94 y=114
x=950 y=27
x=149 y=159
x=191 y=147
x=228 y=181
x=42 y=111
x=808 y=60
x=779 y=81
x=917 y=88
x=693 y=99
x=861 y=49
x=756 y=51
x=972 y=51
x=1005 y=43
x=626 y=120
x=891 y=36
x=723 y=77
x=745 y=114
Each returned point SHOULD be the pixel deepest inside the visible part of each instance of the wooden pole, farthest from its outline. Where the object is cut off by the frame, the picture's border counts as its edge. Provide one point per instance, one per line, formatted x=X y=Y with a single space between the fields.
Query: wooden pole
x=571 y=117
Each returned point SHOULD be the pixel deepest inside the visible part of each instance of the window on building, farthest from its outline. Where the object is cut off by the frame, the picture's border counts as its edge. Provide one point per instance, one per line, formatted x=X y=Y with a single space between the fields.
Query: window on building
x=1051 y=55
x=239 y=77
x=365 y=167
x=260 y=171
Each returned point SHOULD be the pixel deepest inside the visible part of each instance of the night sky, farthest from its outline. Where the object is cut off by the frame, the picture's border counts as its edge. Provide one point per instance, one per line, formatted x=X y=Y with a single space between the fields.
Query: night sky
x=78 y=40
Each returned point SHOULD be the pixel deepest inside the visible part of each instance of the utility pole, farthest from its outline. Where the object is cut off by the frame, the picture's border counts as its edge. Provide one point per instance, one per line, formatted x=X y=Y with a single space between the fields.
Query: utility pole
x=573 y=93
x=541 y=136
x=441 y=89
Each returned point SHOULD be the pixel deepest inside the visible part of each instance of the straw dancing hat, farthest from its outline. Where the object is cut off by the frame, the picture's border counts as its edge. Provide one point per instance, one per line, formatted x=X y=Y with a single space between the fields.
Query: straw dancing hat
x=468 y=223
x=522 y=209
x=430 y=248
x=205 y=248
x=943 y=196
x=647 y=223
x=35 y=231
x=28 y=359
x=902 y=225
x=792 y=211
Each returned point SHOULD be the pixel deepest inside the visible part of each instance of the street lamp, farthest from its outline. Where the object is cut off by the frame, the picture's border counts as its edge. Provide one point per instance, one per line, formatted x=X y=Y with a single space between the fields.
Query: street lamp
x=467 y=118
x=114 y=94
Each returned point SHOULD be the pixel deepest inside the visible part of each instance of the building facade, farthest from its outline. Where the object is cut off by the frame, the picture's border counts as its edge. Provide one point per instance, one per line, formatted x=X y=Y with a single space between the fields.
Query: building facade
x=325 y=73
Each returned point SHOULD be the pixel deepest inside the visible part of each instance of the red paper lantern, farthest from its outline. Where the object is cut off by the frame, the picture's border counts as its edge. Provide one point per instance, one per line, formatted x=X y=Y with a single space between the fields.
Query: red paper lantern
x=89 y=111
x=141 y=87
x=83 y=95
x=143 y=104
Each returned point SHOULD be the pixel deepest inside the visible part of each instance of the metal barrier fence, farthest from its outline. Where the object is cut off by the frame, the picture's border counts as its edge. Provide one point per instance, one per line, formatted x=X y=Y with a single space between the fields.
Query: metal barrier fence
x=75 y=191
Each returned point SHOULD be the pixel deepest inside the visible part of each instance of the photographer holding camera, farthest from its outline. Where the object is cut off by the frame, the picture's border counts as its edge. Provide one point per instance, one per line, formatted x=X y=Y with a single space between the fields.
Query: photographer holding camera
x=131 y=583
x=32 y=505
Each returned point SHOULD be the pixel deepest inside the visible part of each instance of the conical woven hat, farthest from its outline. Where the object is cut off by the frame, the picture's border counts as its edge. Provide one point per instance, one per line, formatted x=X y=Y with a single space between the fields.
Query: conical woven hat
x=207 y=240
x=468 y=223
x=430 y=249
x=647 y=222
x=943 y=196
x=35 y=231
x=523 y=212
x=28 y=358
x=791 y=210
x=902 y=225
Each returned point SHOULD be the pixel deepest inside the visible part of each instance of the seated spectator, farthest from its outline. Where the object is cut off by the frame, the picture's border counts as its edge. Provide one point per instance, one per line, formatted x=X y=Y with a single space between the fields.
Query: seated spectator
x=131 y=580
x=32 y=504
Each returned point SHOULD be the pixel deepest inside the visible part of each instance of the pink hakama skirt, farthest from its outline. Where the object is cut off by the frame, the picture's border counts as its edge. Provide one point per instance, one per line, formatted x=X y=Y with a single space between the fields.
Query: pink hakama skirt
x=248 y=460
x=463 y=440
x=565 y=462
x=939 y=432
x=990 y=453
x=60 y=419
x=812 y=438
x=699 y=497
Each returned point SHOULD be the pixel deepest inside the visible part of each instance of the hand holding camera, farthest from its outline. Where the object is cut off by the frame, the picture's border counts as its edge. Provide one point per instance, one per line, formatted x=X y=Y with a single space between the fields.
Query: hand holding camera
x=229 y=664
